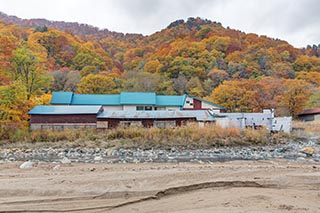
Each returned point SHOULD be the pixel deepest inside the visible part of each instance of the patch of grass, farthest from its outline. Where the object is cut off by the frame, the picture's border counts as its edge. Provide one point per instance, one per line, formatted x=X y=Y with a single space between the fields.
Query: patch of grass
x=306 y=129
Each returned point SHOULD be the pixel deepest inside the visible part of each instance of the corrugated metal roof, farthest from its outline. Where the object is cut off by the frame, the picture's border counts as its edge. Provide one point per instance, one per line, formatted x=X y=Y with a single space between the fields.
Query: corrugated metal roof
x=61 y=97
x=138 y=98
x=95 y=99
x=310 y=112
x=124 y=98
x=200 y=115
x=64 y=110
x=172 y=100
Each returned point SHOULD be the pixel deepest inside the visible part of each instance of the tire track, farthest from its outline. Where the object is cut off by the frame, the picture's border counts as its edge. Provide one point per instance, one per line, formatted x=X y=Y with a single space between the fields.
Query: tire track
x=173 y=191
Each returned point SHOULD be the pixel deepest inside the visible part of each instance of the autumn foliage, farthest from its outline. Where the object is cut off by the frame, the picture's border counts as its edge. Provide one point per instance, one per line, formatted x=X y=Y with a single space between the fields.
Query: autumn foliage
x=237 y=70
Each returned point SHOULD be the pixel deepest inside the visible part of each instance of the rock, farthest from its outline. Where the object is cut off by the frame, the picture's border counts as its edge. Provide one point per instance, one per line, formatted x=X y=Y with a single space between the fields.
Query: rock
x=308 y=151
x=110 y=152
x=65 y=160
x=301 y=159
x=317 y=159
x=98 y=158
x=61 y=154
x=26 y=165
x=135 y=160
x=55 y=168
x=200 y=162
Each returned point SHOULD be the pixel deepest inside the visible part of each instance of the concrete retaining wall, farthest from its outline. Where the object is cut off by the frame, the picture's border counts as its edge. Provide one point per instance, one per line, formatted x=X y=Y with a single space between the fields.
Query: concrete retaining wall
x=60 y=126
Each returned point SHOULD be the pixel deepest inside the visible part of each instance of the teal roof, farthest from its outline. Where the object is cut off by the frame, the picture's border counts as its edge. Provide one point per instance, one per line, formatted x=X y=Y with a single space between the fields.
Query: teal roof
x=138 y=98
x=172 y=100
x=64 y=110
x=124 y=98
x=86 y=99
x=61 y=97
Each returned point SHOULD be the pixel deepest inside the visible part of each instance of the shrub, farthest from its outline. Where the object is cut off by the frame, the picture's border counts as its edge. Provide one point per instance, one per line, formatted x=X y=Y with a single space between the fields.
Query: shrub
x=252 y=136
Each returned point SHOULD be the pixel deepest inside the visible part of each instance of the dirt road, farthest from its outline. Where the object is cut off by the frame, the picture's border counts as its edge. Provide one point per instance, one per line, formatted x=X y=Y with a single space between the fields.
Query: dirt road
x=236 y=186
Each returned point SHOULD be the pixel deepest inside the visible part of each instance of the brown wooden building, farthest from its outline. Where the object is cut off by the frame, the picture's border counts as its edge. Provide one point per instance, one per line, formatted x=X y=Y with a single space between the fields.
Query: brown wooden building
x=63 y=117
x=310 y=115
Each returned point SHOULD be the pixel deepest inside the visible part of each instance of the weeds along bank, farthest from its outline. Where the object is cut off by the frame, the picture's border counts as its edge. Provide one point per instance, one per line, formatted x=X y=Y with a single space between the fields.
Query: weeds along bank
x=146 y=137
x=185 y=136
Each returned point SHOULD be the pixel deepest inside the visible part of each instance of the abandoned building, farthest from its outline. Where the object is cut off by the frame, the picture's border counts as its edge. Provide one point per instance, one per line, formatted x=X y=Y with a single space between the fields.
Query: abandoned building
x=310 y=115
x=254 y=120
x=69 y=110
x=74 y=117
x=161 y=119
x=61 y=117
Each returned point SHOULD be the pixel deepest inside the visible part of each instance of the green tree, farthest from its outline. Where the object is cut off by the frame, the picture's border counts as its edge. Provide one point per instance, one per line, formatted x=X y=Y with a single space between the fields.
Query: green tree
x=314 y=100
x=142 y=81
x=194 y=87
x=28 y=67
x=89 y=70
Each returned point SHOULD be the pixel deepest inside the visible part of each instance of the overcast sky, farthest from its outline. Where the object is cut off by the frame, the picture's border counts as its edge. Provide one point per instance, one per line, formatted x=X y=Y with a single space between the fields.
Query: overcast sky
x=296 y=21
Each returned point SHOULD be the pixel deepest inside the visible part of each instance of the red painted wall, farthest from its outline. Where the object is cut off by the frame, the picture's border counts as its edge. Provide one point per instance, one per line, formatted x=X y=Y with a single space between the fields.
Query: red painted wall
x=63 y=118
x=196 y=104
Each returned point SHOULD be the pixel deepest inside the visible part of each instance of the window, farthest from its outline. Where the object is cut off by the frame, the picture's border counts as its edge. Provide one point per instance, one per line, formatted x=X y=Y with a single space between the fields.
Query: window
x=139 y=108
x=164 y=124
x=142 y=108
x=102 y=124
x=131 y=124
x=148 y=108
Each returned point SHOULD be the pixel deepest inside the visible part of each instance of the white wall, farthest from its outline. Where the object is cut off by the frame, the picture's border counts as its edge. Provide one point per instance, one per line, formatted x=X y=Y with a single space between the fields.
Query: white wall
x=187 y=105
x=282 y=124
x=172 y=108
x=130 y=107
x=107 y=108
x=266 y=119
x=228 y=122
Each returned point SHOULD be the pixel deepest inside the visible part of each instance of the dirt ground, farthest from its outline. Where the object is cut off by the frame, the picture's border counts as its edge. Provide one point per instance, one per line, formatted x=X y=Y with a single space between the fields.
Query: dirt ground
x=237 y=186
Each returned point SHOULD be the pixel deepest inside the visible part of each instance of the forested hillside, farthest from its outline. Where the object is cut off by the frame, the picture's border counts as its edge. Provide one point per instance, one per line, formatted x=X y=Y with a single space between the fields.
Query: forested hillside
x=237 y=70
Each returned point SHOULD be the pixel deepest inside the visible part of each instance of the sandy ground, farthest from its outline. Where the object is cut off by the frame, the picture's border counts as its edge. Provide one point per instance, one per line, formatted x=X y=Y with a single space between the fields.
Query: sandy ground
x=237 y=186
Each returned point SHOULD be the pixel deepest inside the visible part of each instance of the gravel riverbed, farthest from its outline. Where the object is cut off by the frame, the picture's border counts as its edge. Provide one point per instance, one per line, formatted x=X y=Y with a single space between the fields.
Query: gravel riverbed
x=303 y=151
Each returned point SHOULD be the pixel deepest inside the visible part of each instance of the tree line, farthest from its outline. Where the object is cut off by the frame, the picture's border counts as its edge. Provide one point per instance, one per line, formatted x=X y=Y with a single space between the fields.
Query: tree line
x=237 y=70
